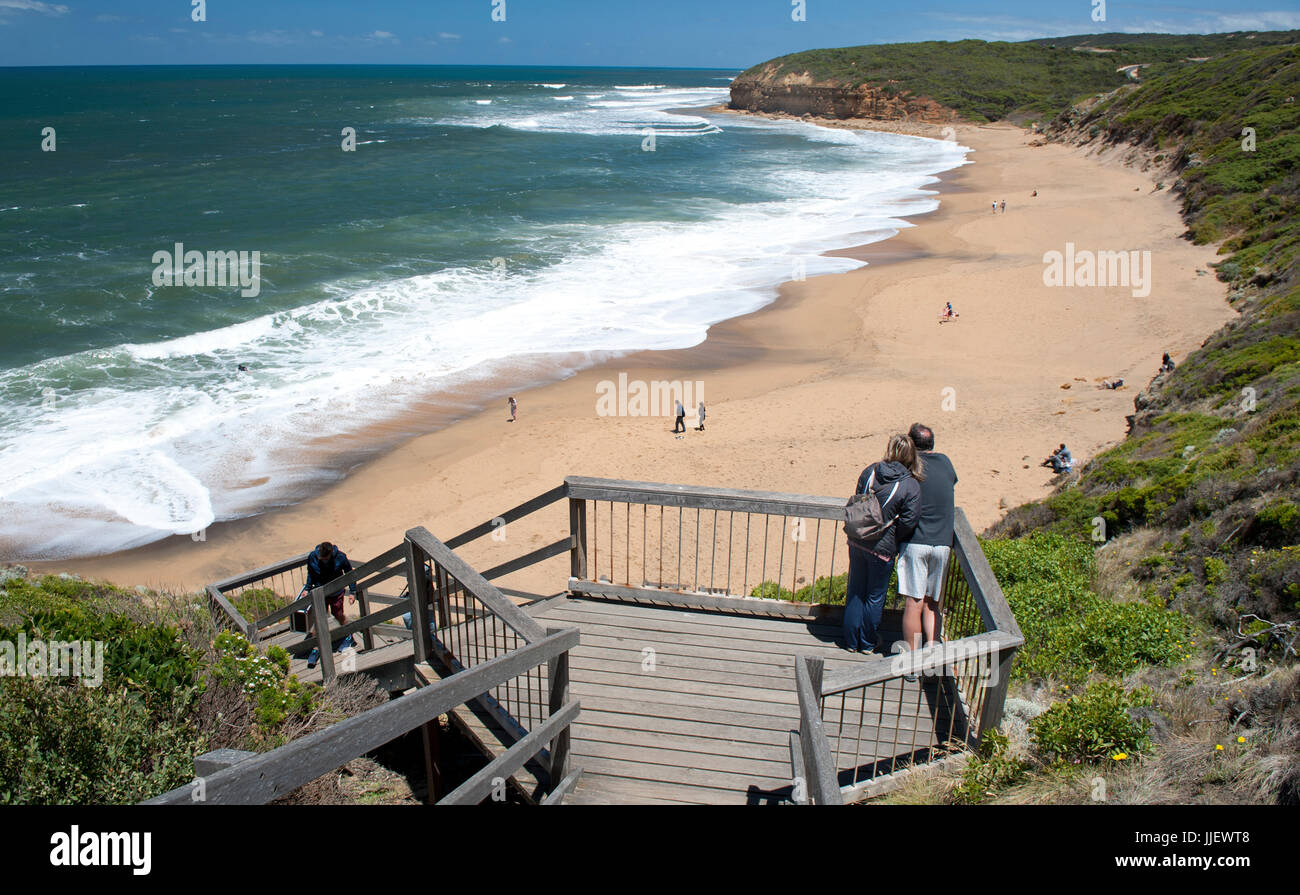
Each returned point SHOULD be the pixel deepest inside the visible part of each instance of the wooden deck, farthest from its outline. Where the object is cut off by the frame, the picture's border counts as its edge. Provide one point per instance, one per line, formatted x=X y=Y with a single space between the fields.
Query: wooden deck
x=709 y=720
x=698 y=692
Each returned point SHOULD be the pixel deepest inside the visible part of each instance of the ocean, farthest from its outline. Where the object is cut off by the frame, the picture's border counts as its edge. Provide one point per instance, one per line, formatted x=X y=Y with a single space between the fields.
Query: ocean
x=490 y=222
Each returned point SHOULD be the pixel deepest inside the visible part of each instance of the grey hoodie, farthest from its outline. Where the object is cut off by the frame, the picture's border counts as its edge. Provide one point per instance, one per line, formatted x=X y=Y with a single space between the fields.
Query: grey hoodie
x=905 y=505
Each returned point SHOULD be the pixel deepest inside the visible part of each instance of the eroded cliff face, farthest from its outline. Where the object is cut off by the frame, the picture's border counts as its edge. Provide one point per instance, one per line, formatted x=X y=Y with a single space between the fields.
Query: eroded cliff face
x=799 y=94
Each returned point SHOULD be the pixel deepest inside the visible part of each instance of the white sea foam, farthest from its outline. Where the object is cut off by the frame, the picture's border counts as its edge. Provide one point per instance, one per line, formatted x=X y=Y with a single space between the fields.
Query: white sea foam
x=185 y=439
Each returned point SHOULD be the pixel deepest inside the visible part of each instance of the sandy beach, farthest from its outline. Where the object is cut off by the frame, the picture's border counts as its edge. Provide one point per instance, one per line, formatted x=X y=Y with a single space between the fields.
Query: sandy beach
x=802 y=394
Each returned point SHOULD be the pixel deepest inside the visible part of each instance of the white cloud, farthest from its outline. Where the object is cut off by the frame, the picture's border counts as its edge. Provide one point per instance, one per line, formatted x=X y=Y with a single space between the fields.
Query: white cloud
x=315 y=33
x=50 y=9
x=505 y=40
x=381 y=35
x=1258 y=21
x=448 y=36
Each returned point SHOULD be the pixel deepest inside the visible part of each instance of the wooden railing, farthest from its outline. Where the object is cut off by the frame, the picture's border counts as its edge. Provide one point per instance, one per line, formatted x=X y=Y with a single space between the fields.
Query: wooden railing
x=267 y=776
x=873 y=729
x=474 y=623
x=286 y=580
x=715 y=548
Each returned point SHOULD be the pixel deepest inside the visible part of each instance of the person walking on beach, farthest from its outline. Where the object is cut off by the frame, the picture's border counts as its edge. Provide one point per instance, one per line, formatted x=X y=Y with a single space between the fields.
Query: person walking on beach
x=895 y=482
x=324 y=564
x=680 y=425
x=995 y=206
x=514 y=407
x=1004 y=206
x=700 y=427
x=923 y=560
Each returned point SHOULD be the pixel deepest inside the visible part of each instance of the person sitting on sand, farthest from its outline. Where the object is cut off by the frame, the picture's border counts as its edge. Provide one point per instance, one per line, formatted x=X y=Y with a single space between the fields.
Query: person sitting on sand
x=324 y=564
x=1112 y=383
x=1166 y=363
x=1060 y=461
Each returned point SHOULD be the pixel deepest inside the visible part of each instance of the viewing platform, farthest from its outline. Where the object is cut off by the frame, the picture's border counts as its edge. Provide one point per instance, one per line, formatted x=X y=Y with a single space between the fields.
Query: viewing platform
x=660 y=644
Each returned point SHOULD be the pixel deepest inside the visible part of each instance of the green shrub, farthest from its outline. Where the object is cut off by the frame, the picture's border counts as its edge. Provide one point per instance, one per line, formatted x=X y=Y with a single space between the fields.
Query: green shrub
x=1277 y=524
x=64 y=743
x=258 y=602
x=989 y=771
x=152 y=660
x=1094 y=725
x=1070 y=631
x=274 y=693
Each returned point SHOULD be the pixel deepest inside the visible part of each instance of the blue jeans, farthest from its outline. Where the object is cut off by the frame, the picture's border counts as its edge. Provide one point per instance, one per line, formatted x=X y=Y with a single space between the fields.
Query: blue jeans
x=864 y=602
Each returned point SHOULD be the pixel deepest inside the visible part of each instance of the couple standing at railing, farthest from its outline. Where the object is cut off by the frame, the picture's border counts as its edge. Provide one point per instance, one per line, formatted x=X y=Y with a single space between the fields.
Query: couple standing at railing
x=902 y=511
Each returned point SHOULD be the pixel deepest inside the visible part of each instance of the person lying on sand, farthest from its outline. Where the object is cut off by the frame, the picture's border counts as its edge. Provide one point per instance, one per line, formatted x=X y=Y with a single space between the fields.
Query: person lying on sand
x=1112 y=383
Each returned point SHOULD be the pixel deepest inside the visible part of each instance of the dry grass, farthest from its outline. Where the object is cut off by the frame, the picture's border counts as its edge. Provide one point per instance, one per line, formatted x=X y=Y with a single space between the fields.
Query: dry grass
x=1115 y=562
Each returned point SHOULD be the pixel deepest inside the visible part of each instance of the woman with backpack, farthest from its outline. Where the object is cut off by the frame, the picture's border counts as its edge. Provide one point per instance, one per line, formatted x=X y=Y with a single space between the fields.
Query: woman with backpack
x=878 y=519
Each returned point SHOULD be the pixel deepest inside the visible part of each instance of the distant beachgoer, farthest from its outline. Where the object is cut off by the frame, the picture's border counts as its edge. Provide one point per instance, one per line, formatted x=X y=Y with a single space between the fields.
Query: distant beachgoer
x=514 y=407
x=243 y=368
x=1112 y=383
x=700 y=427
x=1060 y=460
x=324 y=564
x=924 y=558
x=680 y=425
x=1166 y=363
x=895 y=482
x=995 y=206
x=1035 y=194
x=1004 y=206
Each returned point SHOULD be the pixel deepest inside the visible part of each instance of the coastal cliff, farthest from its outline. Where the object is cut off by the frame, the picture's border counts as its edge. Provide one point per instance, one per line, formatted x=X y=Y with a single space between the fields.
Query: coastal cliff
x=773 y=90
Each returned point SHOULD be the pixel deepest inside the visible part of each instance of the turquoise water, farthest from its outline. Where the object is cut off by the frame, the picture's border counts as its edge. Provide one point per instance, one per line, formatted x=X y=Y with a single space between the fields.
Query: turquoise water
x=487 y=214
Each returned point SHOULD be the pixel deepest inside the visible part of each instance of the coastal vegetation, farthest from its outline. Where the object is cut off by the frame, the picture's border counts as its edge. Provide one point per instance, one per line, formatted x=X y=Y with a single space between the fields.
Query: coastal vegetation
x=990 y=81
x=172 y=688
x=1192 y=521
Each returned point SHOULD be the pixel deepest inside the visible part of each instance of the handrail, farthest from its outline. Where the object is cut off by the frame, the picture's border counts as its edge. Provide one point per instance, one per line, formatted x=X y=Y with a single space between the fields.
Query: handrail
x=975 y=566
x=485 y=591
x=820 y=775
x=274 y=568
x=526 y=508
x=733 y=499
x=229 y=609
x=272 y=774
x=878 y=669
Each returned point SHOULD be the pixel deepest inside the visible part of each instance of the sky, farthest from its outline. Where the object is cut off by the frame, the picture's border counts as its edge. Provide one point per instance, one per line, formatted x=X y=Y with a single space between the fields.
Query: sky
x=731 y=34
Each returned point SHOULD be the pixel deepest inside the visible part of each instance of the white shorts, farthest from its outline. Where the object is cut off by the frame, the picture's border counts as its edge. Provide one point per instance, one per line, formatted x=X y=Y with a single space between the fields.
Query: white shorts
x=920 y=571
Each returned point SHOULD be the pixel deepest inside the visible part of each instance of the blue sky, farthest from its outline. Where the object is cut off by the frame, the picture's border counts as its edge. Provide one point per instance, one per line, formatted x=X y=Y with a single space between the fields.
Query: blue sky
x=673 y=33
